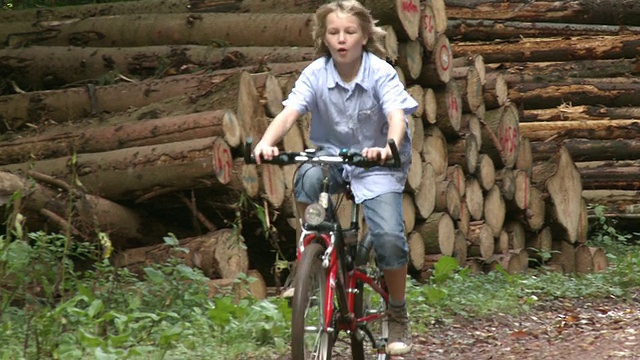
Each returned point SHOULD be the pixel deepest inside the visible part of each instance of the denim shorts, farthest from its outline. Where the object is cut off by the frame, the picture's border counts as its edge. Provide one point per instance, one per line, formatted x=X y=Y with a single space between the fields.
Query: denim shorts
x=382 y=214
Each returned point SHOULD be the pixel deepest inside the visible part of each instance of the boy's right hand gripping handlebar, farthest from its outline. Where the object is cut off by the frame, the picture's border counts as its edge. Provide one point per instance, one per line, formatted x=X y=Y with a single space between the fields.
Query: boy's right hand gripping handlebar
x=344 y=157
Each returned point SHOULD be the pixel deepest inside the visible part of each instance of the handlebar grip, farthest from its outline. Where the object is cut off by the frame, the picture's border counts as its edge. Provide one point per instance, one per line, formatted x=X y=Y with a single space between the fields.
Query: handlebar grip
x=248 y=152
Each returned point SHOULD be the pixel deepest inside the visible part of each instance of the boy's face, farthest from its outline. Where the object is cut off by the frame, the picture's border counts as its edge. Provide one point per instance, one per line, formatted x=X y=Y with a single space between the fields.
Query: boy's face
x=344 y=37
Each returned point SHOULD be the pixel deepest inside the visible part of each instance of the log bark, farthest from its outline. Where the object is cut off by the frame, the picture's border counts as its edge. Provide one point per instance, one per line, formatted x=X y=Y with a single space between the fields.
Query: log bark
x=166 y=29
x=589 y=150
x=78 y=103
x=486 y=30
x=50 y=67
x=558 y=71
x=69 y=140
x=611 y=92
x=594 y=130
x=402 y=15
x=45 y=203
x=43 y=14
x=219 y=254
x=553 y=49
x=625 y=12
x=616 y=175
x=133 y=172
x=584 y=112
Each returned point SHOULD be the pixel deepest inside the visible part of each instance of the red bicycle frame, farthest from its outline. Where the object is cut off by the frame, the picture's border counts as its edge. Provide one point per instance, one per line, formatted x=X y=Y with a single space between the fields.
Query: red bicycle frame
x=351 y=279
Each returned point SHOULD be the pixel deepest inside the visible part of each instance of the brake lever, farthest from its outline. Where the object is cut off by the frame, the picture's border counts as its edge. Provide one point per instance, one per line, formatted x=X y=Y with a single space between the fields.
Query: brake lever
x=394 y=153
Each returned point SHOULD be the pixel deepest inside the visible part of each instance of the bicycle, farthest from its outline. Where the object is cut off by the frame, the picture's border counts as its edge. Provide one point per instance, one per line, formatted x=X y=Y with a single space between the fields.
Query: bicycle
x=336 y=287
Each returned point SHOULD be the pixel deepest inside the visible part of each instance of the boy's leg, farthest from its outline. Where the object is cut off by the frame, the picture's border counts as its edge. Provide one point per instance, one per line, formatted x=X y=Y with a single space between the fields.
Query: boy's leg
x=383 y=215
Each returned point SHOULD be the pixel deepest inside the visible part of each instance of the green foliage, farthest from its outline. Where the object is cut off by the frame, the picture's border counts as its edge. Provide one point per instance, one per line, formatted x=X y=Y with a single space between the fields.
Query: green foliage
x=51 y=310
x=109 y=313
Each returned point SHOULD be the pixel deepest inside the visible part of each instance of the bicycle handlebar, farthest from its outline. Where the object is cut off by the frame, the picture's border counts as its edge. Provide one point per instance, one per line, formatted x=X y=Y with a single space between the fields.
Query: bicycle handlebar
x=345 y=157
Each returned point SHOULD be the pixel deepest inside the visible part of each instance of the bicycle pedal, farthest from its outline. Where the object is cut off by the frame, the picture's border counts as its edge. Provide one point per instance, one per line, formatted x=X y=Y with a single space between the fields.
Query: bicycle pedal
x=288 y=293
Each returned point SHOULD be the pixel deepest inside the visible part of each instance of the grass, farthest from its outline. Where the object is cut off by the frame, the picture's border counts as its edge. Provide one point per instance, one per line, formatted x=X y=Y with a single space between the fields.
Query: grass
x=110 y=314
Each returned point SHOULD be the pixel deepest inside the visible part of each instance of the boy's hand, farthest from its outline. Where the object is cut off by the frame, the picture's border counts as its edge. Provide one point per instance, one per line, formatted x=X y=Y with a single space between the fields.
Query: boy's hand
x=264 y=151
x=377 y=154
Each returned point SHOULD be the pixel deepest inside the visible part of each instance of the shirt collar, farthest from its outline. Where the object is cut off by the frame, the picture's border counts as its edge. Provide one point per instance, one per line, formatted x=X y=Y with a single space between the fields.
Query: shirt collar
x=333 y=78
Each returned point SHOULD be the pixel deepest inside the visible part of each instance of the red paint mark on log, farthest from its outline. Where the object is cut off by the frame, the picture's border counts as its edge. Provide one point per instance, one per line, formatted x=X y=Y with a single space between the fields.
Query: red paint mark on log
x=410 y=7
x=427 y=23
x=444 y=57
x=508 y=140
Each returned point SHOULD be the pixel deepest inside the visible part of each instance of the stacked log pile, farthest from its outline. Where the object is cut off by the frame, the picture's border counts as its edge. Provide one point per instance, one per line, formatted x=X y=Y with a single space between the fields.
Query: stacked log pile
x=488 y=184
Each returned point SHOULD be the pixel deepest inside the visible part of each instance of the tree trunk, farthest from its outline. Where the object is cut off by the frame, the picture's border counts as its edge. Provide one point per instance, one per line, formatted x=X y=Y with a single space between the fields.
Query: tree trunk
x=166 y=29
x=589 y=150
x=77 y=103
x=559 y=71
x=133 y=172
x=486 y=30
x=434 y=151
x=594 y=130
x=89 y=214
x=618 y=12
x=494 y=210
x=553 y=49
x=402 y=15
x=50 y=67
x=219 y=254
x=501 y=135
x=561 y=179
x=474 y=198
x=438 y=234
x=40 y=14
x=437 y=68
x=584 y=112
x=425 y=198
x=613 y=92
x=616 y=175
x=482 y=243
x=70 y=140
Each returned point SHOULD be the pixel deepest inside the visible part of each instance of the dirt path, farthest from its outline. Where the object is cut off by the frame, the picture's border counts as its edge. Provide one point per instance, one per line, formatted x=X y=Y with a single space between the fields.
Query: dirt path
x=561 y=329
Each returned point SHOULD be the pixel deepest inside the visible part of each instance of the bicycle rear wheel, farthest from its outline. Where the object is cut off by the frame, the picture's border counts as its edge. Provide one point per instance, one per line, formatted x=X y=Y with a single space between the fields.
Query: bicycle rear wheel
x=309 y=337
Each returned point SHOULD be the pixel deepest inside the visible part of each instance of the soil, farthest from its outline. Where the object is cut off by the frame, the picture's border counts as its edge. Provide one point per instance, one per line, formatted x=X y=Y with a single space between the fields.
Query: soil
x=563 y=329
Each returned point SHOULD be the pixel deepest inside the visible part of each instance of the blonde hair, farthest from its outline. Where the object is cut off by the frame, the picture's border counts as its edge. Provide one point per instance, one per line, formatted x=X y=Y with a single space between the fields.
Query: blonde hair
x=374 y=34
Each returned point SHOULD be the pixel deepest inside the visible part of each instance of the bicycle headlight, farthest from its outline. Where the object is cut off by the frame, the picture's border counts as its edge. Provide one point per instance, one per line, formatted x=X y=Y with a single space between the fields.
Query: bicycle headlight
x=314 y=214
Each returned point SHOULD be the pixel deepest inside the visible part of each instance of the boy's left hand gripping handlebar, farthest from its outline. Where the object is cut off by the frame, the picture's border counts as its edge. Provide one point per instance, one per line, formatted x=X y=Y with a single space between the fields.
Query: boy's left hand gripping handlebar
x=249 y=158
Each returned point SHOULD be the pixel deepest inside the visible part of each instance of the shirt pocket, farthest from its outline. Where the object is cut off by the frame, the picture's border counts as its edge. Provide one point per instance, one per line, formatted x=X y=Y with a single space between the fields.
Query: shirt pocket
x=372 y=126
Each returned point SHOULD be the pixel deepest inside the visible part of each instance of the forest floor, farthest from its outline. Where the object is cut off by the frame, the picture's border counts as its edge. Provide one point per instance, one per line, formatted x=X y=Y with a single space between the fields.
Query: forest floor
x=562 y=329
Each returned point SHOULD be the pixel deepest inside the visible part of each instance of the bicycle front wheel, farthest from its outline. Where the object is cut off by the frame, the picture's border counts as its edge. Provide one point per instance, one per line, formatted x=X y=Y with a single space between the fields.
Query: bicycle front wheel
x=368 y=302
x=309 y=337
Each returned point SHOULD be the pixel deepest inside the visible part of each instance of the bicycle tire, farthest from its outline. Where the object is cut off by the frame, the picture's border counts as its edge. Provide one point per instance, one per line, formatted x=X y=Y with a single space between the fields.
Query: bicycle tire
x=368 y=301
x=309 y=339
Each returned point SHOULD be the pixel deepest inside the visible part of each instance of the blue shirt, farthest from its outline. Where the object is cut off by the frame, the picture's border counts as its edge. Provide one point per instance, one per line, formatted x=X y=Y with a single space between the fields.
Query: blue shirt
x=354 y=116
